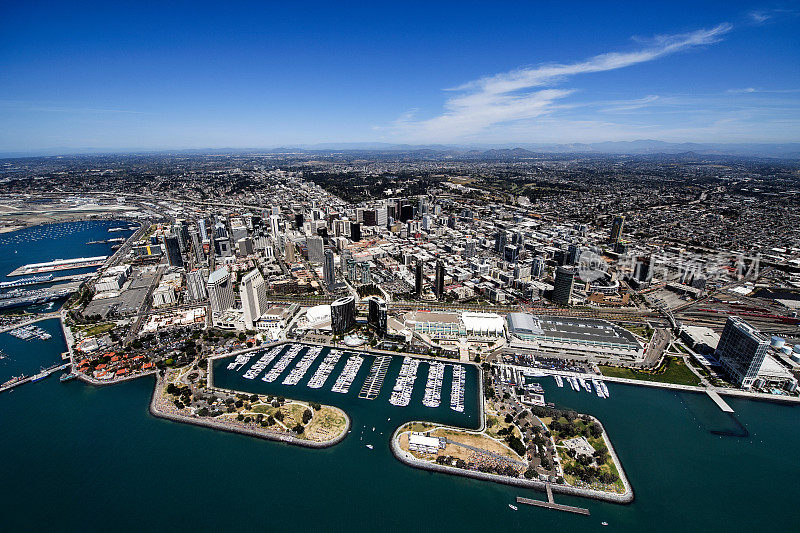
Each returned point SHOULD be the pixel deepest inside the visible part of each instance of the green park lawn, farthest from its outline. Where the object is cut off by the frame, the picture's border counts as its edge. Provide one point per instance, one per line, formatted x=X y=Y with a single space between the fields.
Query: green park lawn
x=673 y=370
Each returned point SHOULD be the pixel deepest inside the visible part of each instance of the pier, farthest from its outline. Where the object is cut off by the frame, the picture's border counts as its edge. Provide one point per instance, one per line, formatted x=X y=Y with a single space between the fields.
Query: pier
x=59 y=264
x=374 y=382
x=41 y=375
x=551 y=504
x=719 y=401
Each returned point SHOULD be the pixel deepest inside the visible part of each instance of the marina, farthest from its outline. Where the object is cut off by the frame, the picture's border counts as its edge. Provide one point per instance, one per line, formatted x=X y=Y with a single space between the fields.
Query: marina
x=433 y=388
x=241 y=360
x=457 y=389
x=302 y=367
x=404 y=386
x=261 y=364
x=348 y=375
x=328 y=364
x=374 y=382
x=282 y=364
x=30 y=332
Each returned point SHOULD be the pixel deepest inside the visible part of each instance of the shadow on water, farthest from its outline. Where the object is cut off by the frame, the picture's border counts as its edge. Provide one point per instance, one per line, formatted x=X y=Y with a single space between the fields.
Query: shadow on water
x=711 y=418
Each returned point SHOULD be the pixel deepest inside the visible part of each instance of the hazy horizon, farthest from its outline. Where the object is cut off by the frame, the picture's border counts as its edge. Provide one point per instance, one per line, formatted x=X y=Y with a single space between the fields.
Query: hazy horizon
x=124 y=77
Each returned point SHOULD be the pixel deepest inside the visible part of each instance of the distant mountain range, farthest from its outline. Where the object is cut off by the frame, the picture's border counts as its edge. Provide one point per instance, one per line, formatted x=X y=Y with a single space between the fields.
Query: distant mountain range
x=640 y=147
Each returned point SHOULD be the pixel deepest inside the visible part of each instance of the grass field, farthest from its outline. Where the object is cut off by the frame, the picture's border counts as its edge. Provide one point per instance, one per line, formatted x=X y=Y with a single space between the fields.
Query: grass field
x=673 y=370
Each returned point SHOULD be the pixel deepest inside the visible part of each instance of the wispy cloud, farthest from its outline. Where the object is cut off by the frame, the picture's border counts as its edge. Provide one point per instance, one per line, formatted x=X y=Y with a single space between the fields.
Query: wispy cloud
x=743 y=90
x=527 y=93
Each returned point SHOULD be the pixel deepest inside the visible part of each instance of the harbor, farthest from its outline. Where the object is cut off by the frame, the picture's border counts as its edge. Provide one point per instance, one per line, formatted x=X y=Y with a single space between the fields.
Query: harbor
x=347 y=379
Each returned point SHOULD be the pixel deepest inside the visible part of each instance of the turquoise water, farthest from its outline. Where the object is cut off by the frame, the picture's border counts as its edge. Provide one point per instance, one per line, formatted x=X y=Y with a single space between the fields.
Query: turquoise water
x=76 y=457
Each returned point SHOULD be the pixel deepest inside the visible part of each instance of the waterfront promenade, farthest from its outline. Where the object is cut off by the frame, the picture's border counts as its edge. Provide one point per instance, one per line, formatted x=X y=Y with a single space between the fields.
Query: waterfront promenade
x=644 y=383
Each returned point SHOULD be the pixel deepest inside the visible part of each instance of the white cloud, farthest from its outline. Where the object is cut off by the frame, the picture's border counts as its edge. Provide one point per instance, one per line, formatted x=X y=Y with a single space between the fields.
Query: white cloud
x=523 y=94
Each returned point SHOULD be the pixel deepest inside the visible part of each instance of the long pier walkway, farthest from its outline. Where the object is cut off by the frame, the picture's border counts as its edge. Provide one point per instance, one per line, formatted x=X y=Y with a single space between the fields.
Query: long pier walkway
x=719 y=401
x=551 y=504
x=48 y=371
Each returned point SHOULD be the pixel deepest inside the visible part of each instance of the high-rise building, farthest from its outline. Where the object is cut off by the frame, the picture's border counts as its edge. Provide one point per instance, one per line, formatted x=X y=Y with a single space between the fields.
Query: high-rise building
x=406 y=213
x=469 y=248
x=173 y=251
x=378 y=314
x=573 y=254
x=355 y=232
x=370 y=217
x=220 y=290
x=418 y=279
x=562 y=286
x=616 y=228
x=500 y=241
x=181 y=230
x=537 y=268
x=511 y=253
x=275 y=225
x=197 y=247
x=382 y=215
x=343 y=314
x=316 y=249
x=439 y=286
x=328 y=273
x=196 y=285
x=253 y=292
x=289 y=252
x=298 y=220
x=643 y=272
x=741 y=351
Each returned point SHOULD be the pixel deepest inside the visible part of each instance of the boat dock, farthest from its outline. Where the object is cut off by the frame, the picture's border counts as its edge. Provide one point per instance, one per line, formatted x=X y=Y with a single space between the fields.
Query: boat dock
x=302 y=367
x=551 y=504
x=719 y=401
x=36 y=377
x=374 y=382
x=325 y=368
x=348 y=375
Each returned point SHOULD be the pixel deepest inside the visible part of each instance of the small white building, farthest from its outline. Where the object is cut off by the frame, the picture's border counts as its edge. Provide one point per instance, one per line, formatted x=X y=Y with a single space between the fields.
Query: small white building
x=417 y=442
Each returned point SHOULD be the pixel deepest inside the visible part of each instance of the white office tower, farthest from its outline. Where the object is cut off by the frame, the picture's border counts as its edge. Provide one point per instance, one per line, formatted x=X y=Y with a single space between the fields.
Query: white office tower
x=426 y=223
x=316 y=249
x=196 y=285
x=382 y=216
x=275 y=225
x=253 y=292
x=220 y=290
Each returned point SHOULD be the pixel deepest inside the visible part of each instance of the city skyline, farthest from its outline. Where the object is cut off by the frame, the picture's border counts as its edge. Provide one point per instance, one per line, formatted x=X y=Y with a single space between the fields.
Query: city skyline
x=115 y=78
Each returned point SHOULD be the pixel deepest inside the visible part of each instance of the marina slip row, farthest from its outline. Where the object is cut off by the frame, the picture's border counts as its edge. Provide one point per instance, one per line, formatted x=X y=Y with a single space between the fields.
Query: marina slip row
x=576 y=383
x=297 y=360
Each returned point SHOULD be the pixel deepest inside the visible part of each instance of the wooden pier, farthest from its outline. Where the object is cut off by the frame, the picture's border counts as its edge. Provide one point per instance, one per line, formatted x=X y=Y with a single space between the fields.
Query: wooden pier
x=551 y=504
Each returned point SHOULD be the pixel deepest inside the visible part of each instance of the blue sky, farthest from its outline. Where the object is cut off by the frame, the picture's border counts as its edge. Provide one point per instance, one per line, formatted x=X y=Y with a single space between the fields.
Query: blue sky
x=195 y=75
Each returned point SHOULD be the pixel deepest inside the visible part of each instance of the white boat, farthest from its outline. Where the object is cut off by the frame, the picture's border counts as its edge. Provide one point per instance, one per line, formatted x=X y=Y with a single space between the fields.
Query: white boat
x=559 y=381
x=514 y=507
x=369 y=446
x=605 y=389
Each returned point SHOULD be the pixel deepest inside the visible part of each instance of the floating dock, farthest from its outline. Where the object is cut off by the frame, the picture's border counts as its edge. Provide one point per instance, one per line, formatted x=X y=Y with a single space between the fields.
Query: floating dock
x=374 y=382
